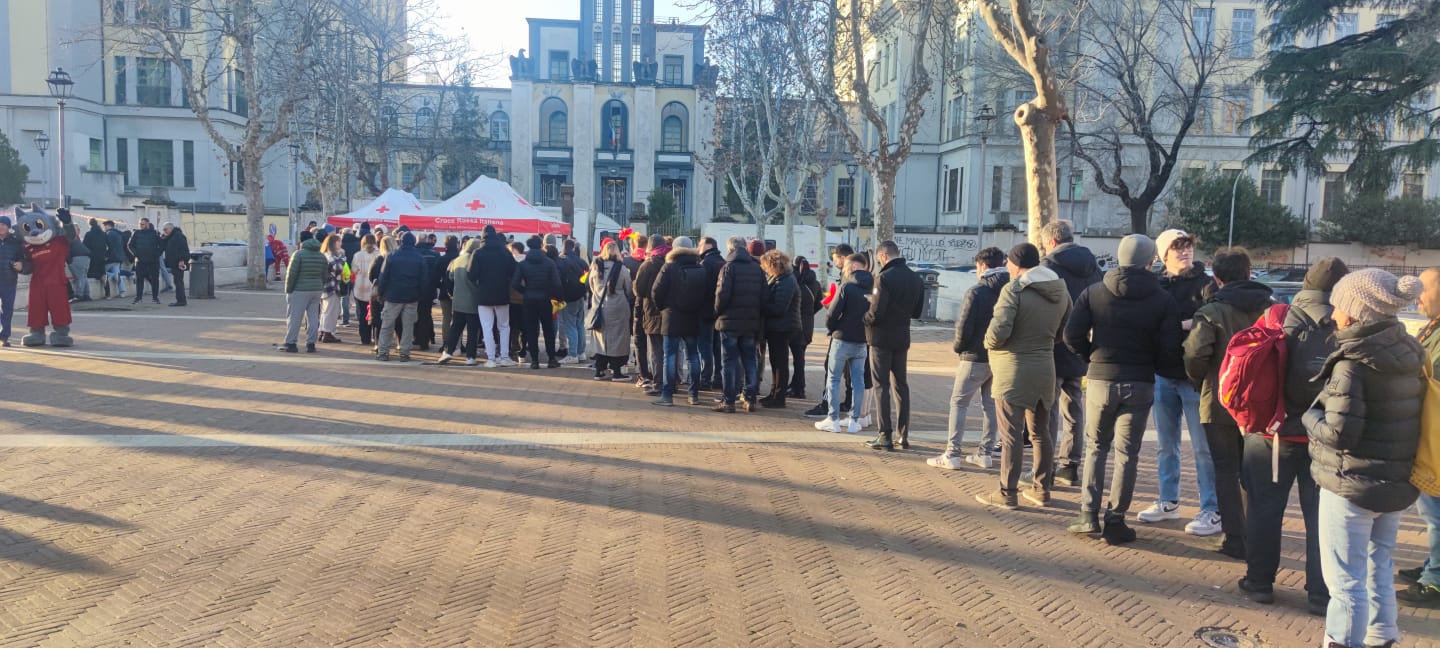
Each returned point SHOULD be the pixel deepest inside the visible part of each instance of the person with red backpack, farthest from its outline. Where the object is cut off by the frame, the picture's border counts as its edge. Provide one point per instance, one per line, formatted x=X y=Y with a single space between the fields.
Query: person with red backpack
x=1271 y=466
x=1235 y=307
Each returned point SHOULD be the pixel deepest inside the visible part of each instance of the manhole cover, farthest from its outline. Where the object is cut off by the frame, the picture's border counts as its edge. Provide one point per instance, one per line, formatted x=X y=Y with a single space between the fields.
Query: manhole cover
x=1225 y=638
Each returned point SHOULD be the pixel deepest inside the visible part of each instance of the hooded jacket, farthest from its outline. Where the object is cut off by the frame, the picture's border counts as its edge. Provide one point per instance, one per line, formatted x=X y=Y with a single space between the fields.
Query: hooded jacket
x=1126 y=327
x=491 y=268
x=713 y=262
x=307 y=269
x=782 y=304
x=1365 y=428
x=647 y=314
x=403 y=276
x=679 y=293
x=739 y=294
x=976 y=311
x=1188 y=289
x=462 y=290
x=1234 y=308
x=846 y=321
x=536 y=277
x=899 y=297
x=99 y=246
x=1076 y=265
x=1309 y=341
x=1029 y=318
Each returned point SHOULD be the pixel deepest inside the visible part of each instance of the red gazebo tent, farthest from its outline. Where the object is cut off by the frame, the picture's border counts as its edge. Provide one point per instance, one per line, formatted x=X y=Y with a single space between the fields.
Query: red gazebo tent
x=486 y=201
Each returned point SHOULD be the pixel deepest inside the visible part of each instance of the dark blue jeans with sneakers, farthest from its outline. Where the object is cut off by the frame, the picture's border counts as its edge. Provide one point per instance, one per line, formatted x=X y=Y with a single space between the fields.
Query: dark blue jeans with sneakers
x=672 y=351
x=7 y=310
x=738 y=352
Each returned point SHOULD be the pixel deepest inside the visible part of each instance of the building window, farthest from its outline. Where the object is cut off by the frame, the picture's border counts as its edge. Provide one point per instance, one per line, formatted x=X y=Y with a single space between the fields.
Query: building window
x=1334 y=194
x=409 y=171
x=424 y=119
x=153 y=12
x=157 y=163
x=1203 y=22
x=1237 y=110
x=185 y=83
x=122 y=159
x=559 y=65
x=152 y=81
x=239 y=103
x=672 y=127
x=554 y=130
x=844 y=196
x=1385 y=19
x=237 y=176
x=615 y=16
x=499 y=126
x=97 y=155
x=634 y=49
x=118 y=12
x=183 y=15
x=616 y=71
x=676 y=188
x=615 y=199
x=550 y=189
x=1018 y=199
x=957 y=118
x=599 y=49
x=1242 y=33
x=997 y=184
x=1346 y=24
x=674 y=73
x=952 y=190
x=615 y=124
x=188 y=164
x=635 y=12
x=1272 y=186
x=120 y=80
x=1412 y=185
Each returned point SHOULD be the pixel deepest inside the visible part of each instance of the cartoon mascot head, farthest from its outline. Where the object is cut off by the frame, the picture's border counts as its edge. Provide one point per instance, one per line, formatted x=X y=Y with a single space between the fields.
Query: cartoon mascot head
x=36 y=226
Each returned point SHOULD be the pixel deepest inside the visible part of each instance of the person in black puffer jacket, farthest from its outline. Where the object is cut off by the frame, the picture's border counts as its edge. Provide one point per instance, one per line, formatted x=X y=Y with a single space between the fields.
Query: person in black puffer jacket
x=800 y=341
x=679 y=293
x=491 y=268
x=146 y=246
x=972 y=375
x=1124 y=327
x=538 y=280
x=782 y=321
x=649 y=342
x=709 y=341
x=1077 y=266
x=1364 y=429
x=846 y=357
x=899 y=296
x=99 y=247
x=738 y=298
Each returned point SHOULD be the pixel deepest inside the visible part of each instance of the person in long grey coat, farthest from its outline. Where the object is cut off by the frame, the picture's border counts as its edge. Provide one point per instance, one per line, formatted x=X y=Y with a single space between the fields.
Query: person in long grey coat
x=613 y=295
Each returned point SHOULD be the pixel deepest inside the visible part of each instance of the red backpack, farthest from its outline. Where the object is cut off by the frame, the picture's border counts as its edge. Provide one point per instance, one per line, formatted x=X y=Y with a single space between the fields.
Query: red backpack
x=1252 y=374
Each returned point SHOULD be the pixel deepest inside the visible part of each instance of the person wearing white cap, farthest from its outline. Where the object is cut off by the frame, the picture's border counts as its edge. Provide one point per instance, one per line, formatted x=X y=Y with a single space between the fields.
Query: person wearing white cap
x=1176 y=400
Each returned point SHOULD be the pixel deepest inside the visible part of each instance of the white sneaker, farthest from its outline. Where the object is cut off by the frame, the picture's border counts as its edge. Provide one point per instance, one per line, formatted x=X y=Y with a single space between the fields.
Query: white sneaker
x=507 y=362
x=945 y=461
x=828 y=425
x=1159 y=512
x=849 y=426
x=1207 y=523
x=568 y=360
x=470 y=362
x=863 y=422
x=981 y=459
x=445 y=357
x=490 y=364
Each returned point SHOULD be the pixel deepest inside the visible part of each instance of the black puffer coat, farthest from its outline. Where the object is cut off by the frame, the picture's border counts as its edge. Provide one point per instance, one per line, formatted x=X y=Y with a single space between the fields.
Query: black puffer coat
x=1365 y=428
x=491 y=269
x=99 y=246
x=713 y=262
x=899 y=297
x=975 y=314
x=739 y=295
x=679 y=293
x=1077 y=267
x=1309 y=341
x=1125 y=327
x=146 y=246
x=809 y=301
x=647 y=313
x=536 y=277
x=782 y=304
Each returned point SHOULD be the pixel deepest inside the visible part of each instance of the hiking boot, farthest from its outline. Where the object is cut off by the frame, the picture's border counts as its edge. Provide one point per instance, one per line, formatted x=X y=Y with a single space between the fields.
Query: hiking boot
x=881 y=442
x=1232 y=547
x=309 y=348
x=1037 y=497
x=1263 y=594
x=819 y=411
x=1086 y=523
x=1411 y=575
x=724 y=408
x=1068 y=475
x=1159 y=512
x=1417 y=595
x=1116 y=532
x=998 y=499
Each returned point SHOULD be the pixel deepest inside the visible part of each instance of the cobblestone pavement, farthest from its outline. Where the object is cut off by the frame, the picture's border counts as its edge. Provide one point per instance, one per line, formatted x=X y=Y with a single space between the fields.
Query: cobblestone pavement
x=175 y=481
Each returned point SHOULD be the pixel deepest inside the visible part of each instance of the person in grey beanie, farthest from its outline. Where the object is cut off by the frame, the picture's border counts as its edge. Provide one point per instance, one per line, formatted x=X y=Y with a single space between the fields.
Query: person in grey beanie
x=1364 y=428
x=1126 y=328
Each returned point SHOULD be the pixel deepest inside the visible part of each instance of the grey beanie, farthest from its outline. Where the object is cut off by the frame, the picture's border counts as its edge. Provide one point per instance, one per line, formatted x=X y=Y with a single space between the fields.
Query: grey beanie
x=683 y=242
x=1136 y=250
x=1372 y=294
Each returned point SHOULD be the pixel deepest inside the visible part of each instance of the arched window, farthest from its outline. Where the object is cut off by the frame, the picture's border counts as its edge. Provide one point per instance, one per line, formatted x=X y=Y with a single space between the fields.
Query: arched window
x=614 y=125
x=672 y=127
x=424 y=118
x=499 y=126
x=554 y=124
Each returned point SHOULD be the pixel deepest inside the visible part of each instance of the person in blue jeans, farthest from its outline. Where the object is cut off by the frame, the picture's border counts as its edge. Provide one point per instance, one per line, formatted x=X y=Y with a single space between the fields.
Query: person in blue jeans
x=738 y=298
x=710 y=371
x=1424 y=590
x=1364 y=429
x=848 y=349
x=679 y=294
x=1177 y=401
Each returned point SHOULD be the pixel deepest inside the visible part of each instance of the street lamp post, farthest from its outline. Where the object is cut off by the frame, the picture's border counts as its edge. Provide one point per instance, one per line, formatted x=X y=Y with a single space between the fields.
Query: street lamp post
x=61 y=88
x=42 y=144
x=985 y=119
x=294 y=162
x=852 y=168
x=1233 y=189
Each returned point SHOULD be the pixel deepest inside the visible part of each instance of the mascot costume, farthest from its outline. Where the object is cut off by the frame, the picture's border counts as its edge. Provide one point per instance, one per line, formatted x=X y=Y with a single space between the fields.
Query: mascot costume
x=48 y=247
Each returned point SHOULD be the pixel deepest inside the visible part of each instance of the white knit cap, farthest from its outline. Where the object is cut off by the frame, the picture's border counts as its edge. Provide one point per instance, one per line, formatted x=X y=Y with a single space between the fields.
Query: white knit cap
x=1372 y=294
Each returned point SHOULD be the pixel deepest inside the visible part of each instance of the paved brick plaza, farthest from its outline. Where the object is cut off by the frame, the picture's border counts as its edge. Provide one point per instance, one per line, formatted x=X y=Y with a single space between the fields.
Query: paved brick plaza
x=175 y=481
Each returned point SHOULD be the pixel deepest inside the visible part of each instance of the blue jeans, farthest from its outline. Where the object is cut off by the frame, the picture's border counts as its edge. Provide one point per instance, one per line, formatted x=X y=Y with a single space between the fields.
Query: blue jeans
x=572 y=326
x=739 y=351
x=1357 y=547
x=1174 y=397
x=7 y=310
x=706 y=340
x=845 y=357
x=672 y=351
x=1429 y=507
x=112 y=273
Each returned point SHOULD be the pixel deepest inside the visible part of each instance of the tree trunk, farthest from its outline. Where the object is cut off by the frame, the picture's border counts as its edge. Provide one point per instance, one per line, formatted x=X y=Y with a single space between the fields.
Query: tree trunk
x=1037 y=133
x=884 y=215
x=790 y=230
x=1139 y=218
x=254 y=221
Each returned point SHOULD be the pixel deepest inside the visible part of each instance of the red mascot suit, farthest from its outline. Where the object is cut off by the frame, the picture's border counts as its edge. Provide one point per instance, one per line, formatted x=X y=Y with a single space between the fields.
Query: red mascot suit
x=47 y=248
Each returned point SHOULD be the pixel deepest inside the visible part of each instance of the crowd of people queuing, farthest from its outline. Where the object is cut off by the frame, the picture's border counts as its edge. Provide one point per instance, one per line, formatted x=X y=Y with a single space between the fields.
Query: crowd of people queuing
x=1068 y=361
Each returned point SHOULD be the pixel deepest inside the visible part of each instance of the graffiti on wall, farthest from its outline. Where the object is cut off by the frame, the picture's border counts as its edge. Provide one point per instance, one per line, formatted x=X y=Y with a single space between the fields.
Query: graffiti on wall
x=940 y=249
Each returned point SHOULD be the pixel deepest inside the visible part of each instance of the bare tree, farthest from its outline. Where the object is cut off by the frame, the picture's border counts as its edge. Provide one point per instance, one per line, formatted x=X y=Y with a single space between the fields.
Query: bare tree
x=253 y=57
x=835 y=44
x=1144 y=74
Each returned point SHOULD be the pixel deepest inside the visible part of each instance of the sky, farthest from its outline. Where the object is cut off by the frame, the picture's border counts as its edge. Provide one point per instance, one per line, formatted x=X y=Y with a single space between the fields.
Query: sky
x=499 y=25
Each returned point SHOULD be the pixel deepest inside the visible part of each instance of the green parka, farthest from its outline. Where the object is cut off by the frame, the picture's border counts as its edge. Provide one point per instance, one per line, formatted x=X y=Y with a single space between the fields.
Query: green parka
x=1029 y=319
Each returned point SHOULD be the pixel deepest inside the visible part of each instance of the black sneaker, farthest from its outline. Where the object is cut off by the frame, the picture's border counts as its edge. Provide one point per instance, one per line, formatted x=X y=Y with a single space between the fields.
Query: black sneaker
x=1411 y=575
x=1234 y=548
x=309 y=348
x=1263 y=594
x=1116 y=532
x=289 y=348
x=1067 y=475
x=1422 y=596
x=819 y=411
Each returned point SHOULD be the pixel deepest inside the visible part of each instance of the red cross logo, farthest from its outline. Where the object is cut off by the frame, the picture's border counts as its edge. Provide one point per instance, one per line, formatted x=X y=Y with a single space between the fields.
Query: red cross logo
x=475 y=205
x=383 y=209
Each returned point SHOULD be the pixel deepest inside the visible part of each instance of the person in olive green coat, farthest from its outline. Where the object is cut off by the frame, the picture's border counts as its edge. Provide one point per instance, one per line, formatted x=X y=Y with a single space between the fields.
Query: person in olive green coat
x=464 y=307
x=304 y=284
x=1029 y=319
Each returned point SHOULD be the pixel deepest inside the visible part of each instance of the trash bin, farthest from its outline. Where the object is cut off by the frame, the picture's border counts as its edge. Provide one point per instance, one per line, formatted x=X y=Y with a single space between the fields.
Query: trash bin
x=931 y=279
x=202 y=275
